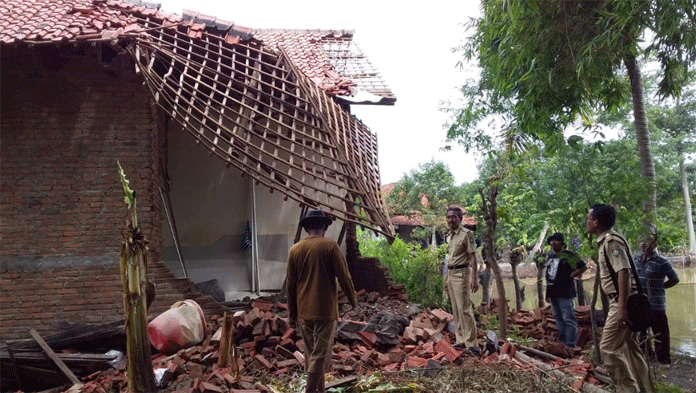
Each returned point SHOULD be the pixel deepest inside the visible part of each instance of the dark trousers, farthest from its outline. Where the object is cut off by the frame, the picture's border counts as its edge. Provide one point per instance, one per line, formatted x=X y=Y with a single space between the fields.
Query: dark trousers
x=660 y=329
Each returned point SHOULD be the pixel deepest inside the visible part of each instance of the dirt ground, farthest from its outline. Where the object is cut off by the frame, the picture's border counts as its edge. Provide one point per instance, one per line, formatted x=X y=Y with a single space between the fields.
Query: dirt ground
x=682 y=373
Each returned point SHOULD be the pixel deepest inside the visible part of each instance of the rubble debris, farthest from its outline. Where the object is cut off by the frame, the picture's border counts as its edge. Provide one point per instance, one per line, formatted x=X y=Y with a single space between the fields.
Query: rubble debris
x=385 y=334
x=585 y=384
x=211 y=288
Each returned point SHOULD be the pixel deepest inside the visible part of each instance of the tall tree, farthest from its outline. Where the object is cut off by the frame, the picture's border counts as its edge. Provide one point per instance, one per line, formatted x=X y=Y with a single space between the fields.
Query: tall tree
x=426 y=191
x=678 y=121
x=489 y=252
x=547 y=63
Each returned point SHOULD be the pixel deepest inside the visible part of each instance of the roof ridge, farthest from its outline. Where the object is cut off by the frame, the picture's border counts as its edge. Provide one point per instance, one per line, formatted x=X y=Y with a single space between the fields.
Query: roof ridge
x=349 y=32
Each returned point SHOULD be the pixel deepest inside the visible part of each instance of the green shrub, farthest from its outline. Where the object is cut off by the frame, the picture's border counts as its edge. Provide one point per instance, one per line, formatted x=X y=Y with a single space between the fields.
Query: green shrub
x=418 y=269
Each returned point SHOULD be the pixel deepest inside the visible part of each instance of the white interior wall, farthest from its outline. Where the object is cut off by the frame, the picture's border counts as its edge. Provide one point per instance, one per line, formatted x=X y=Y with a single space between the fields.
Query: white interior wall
x=211 y=205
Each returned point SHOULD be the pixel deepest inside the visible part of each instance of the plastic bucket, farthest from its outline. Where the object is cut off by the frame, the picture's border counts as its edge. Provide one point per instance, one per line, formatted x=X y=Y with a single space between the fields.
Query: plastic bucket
x=182 y=326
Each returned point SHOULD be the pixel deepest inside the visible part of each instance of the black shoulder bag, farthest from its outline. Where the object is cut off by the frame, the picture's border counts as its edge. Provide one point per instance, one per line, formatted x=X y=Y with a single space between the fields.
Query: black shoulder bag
x=638 y=309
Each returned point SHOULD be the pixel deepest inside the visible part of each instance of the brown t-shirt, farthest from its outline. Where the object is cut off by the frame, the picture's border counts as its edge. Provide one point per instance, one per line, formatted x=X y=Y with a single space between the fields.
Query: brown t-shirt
x=314 y=264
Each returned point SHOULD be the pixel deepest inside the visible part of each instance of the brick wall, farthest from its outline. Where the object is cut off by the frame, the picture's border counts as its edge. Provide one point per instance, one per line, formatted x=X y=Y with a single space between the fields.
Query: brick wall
x=66 y=119
x=367 y=273
x=65 y=122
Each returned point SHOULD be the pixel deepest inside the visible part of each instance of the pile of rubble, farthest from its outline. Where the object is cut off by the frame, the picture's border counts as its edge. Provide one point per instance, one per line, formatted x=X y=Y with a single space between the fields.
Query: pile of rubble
x=540 y=324
x=384 y=334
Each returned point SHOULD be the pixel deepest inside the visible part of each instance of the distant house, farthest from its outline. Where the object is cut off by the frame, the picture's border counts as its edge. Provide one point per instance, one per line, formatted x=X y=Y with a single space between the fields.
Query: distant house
x=405 y=222
x=227 y=134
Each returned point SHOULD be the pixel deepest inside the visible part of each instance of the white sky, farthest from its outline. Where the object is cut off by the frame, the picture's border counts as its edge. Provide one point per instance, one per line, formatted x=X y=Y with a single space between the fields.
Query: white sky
x=409 y=43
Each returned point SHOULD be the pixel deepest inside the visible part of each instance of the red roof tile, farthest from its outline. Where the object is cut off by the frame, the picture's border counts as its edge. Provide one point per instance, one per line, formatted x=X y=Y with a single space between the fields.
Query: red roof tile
x=35 y=21
x=414 y=218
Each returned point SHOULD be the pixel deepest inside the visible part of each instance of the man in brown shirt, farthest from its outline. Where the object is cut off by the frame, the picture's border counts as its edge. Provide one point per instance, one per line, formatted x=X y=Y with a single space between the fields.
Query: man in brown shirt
x=621 y=352
x=314 y=264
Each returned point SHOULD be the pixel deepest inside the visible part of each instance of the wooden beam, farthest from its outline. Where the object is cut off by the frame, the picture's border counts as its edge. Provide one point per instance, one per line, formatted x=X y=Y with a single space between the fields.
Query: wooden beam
x=52 y=355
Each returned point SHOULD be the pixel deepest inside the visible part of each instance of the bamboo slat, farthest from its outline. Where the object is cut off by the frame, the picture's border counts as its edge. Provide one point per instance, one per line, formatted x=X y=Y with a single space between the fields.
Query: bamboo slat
x=257 y=111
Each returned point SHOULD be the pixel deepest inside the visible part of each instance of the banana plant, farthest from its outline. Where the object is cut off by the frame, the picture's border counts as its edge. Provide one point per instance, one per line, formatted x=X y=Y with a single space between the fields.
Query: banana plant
x=141 y=376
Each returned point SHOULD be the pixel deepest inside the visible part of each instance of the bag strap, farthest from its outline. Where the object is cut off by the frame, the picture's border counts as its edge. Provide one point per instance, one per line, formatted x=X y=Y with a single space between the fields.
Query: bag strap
x=633 y=268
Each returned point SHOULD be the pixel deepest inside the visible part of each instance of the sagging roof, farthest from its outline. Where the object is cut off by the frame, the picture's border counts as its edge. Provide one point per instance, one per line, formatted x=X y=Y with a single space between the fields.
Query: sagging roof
x=263 y=101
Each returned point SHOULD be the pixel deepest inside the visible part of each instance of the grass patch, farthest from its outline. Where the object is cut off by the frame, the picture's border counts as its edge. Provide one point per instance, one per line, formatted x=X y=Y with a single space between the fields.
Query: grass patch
x=472 y=377
x=662 y=387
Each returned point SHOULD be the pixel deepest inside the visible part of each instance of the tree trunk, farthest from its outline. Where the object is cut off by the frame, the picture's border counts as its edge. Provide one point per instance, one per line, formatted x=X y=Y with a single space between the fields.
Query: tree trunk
x=540 y=241
x=433 y=239
x=593 y=316
x=687 y=204
x=490 y=215
x=579 y=287
x=515 y=258
x=518 y=290
x=486 y=285
x=540 y=261
x=647 y=165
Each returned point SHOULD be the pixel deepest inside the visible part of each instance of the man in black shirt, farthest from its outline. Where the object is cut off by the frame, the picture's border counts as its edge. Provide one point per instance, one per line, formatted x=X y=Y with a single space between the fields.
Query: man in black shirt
x=562 y=266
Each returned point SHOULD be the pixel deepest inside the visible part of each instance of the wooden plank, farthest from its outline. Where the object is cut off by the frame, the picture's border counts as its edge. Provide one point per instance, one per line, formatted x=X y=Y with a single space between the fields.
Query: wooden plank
x=65 y=357
x=342 y=382
x=15 y=370
x=49 y=352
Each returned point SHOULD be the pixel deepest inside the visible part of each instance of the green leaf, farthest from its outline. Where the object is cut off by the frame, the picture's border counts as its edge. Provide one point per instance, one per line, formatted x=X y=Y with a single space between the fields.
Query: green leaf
x=130 y=195
x=575 y=141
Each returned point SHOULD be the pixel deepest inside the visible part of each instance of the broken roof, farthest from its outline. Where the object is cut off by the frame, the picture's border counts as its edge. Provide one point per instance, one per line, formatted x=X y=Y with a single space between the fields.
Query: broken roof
x=330 y=58
x=264 y=101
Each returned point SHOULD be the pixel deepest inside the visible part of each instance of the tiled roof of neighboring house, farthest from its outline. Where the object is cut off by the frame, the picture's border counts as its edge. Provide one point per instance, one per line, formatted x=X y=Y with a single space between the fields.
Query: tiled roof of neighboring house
x=414 y=218
x=329 y=58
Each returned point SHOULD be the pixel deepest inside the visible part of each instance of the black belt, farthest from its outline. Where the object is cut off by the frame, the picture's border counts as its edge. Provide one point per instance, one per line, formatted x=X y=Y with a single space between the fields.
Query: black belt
x=456 y=267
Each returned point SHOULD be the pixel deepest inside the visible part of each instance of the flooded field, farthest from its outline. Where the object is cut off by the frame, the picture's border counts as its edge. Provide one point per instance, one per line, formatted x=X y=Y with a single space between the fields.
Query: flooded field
x=681 y=306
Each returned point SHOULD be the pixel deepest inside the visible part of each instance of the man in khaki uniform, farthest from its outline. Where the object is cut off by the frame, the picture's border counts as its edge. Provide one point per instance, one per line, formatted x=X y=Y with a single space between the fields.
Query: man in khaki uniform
x=462 y=279
x=621 y=352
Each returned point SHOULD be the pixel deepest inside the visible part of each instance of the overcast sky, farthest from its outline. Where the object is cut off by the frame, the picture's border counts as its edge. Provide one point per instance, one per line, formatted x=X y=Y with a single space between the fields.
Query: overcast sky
x=409 y=43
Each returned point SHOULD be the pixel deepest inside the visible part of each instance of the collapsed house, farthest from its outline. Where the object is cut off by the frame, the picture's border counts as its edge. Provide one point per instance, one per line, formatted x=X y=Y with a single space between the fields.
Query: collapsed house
x=227 y=135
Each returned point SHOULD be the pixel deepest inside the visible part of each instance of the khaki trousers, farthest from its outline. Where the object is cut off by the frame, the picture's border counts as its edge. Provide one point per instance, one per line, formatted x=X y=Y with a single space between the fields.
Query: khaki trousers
x=459 y=286
x=622 y=356
x=318 y=337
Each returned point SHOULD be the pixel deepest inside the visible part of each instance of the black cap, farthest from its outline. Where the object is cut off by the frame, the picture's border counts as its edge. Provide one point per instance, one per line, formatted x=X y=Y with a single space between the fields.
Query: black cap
x=318 y=215
x=556 y=236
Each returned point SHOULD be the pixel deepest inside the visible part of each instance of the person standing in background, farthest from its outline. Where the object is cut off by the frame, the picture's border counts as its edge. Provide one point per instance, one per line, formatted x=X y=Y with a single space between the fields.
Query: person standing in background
x=562 y=267
x=653 y=269
x=462 y=279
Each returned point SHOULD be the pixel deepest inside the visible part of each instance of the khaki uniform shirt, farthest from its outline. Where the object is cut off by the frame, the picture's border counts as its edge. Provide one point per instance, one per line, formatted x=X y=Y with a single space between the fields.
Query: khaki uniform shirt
x=314 y=264
x=460 y=243
x=612 y=249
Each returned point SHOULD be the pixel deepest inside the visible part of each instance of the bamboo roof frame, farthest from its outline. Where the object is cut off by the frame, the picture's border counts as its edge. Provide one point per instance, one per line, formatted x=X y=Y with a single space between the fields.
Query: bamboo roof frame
x=254 y=109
